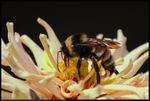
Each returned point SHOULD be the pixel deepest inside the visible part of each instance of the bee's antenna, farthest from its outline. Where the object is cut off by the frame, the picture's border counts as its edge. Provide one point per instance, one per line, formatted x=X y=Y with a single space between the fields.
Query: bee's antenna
x=58 y=60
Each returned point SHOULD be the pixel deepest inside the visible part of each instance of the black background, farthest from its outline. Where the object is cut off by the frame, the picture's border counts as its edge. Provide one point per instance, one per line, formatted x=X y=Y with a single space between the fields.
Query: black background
x=68 y=18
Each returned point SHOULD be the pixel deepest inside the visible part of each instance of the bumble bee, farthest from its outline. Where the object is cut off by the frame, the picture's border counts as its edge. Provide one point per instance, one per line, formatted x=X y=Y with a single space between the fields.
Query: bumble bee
x=80 y=45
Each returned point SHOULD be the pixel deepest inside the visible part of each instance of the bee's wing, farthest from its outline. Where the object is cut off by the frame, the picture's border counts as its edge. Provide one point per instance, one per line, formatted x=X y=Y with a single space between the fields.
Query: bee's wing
x=93 y=43
x=111 y=44
x=102 y=43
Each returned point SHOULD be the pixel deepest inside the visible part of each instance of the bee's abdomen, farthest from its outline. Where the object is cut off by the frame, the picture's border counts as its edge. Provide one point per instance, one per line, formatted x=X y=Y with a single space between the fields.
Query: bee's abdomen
x=107 y=59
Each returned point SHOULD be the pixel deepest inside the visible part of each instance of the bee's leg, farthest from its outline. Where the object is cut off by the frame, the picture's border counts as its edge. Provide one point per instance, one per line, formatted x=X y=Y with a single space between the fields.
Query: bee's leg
x=112 y=69
x=65 y=61
x=78 y=66
x=116 y=72
x=95 y=56
x=96 y=69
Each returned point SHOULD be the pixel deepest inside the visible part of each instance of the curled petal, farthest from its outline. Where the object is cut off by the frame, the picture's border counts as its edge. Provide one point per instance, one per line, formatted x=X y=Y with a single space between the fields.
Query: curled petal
x=70 y=94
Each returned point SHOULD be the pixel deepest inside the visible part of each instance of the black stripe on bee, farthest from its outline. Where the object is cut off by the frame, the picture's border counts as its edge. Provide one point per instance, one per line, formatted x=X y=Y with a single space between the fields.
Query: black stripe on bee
x=103 y=54
x=109 y=61
x=107 y=56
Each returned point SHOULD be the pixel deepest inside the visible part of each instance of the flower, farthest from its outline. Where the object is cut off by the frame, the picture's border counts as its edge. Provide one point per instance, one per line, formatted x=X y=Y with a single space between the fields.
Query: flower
x=44 y=81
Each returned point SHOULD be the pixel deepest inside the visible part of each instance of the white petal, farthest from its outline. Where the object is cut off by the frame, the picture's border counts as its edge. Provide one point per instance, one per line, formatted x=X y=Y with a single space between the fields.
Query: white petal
x=122 y=51
x=38 y=53
x=19 y=52
x=137 y=64
x=54 y=42
x=45 y=45
x=134 y=54
x=93 y=92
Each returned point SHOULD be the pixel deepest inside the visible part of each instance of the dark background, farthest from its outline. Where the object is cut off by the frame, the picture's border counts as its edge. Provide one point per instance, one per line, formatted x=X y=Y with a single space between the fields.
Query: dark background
x=68 y=18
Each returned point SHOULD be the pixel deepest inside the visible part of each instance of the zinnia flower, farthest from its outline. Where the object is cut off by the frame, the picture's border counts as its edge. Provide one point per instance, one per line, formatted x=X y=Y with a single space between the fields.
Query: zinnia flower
x=44 y=81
